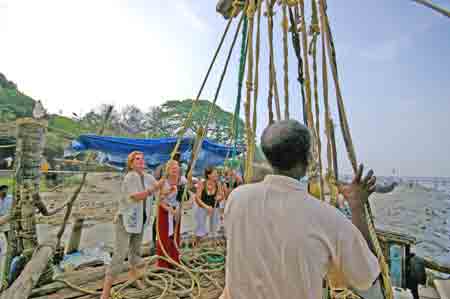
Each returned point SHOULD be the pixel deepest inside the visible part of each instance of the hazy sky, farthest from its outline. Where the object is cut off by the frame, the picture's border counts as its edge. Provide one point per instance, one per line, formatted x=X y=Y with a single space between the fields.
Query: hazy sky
x=393 y=59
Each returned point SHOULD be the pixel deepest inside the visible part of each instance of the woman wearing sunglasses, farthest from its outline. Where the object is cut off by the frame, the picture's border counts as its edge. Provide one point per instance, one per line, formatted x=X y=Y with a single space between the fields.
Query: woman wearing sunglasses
x=134 y=213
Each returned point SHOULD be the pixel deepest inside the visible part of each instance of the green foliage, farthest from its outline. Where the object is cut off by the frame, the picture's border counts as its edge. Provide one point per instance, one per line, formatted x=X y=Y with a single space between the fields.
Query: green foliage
x=160 y=121
x=66 y=124
x=174 y=114
x=13 y=103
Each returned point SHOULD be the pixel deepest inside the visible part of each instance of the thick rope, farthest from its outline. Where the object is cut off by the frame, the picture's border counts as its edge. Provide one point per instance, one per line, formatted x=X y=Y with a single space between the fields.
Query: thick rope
x=312 y=169
x=188 y=119
x=306 y=66
x=385 y=277
x=315 y=31
x=213 y=104
x=237 y=108
x=170 y=281
x=272 y=77
x=248 y=126
x=332 y=172
x=285 y=25
x=297 y=50
x=201 y=135
x=256 y=81
x=434 y=7
x=340 y=102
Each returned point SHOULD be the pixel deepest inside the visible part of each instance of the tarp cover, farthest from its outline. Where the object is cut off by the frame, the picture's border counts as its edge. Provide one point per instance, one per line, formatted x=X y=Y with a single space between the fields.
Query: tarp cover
x=156 y=150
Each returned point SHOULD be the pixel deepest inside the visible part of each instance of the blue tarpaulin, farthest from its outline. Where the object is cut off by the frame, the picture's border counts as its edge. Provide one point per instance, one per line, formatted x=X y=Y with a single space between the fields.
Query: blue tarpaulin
x=156 y=150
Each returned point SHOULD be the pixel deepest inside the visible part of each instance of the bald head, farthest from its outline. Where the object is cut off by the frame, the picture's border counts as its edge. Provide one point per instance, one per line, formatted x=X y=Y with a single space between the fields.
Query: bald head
x=286 y=145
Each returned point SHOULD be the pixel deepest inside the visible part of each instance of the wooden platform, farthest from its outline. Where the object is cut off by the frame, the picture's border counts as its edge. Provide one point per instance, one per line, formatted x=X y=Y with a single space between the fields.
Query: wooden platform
x=443 y=288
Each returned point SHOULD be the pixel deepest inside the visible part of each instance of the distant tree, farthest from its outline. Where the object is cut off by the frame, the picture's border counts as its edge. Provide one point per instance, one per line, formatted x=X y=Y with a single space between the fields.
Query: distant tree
x=154 y=123
x=132 y=119
x=92 y=120
x=219 y=128
x=13 y=103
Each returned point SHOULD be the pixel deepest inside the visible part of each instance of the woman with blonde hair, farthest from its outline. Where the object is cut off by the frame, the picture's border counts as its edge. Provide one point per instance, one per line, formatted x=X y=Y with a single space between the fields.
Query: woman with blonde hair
x=134 y=213
x=169 y=216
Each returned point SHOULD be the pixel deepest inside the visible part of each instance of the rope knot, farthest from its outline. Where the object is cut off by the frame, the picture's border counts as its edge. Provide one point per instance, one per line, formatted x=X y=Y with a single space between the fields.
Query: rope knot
x=116 y=295
x=251 y=9
x=249 y=85
x=236 y=5
x=314 y=29
x=285 y=24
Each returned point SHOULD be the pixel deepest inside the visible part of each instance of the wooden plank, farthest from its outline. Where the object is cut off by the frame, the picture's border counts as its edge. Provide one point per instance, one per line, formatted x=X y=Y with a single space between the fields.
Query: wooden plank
x=430 y=264
x=69 y=293
x=75 y=235
x=77 y=277
x=443 y=288
x=387 y=236
x=428 y=293
x=23 y=285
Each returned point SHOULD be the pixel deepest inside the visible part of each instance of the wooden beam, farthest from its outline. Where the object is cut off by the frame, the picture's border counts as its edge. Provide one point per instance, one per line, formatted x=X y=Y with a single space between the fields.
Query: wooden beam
x=75 y=236
x=23 y=285
x=430 y=264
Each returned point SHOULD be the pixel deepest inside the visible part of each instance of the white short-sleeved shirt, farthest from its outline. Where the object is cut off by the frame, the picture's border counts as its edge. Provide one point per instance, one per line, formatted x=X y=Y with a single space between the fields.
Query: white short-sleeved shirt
x=131 y=210
x=281 y=243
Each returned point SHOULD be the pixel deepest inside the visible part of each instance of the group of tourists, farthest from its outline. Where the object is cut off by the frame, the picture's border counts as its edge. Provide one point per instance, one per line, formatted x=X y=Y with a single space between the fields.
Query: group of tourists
x=291 y=240
x=168 y=189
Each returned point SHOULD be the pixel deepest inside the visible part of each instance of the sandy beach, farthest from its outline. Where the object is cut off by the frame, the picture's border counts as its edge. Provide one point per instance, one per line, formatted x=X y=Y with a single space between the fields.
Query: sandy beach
x=417 y=211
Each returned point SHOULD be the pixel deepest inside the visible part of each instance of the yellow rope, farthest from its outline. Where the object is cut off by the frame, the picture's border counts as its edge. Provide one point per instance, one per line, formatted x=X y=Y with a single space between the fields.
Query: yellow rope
x=272 y=75
x=201 y=135
x=256 y=81
x=188 y=120
x=312 y=169
x=331 y=172
x=249 y=84
x=385 y=278
x=435 y=7
x=313 y=52
x=306 y=65
x=285 y=25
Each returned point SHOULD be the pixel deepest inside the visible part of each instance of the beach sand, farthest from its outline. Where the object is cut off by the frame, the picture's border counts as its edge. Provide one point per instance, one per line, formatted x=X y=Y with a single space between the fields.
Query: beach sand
x=417 y=211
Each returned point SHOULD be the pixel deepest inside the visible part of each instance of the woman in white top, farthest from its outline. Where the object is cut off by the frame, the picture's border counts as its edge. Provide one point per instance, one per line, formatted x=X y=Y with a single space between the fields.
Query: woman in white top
x=133 y=215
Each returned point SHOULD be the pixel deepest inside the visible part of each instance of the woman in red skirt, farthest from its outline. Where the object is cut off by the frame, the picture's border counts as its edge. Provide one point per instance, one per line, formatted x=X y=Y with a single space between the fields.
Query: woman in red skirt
x=169 y=218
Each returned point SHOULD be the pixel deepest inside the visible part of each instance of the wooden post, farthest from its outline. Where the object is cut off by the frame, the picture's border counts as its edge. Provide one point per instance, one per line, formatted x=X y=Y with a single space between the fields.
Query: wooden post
x=29 y=277
x=29 y=148
x=75 y=236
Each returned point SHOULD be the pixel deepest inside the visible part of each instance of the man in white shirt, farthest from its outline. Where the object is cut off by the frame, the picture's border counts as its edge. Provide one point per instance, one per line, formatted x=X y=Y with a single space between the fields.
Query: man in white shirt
x=281 y=242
